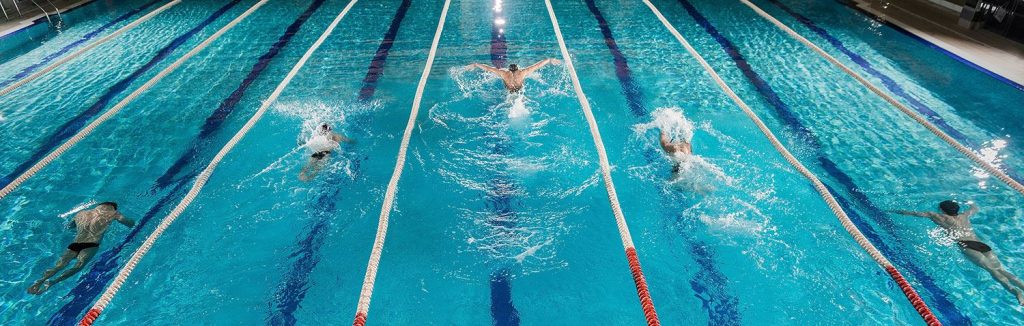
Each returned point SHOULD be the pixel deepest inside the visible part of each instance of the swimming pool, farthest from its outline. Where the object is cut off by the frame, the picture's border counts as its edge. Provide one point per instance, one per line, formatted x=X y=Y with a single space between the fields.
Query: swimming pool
x=501 y=216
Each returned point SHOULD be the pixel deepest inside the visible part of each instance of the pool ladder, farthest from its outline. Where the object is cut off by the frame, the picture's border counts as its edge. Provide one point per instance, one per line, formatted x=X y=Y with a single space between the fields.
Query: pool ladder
x=20 y=14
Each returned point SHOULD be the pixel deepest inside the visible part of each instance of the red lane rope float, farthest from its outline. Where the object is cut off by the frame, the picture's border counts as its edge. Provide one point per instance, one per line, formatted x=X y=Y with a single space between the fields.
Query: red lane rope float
x=90 y=317
x=641 y=288
x=915 y=299
x=360 y=319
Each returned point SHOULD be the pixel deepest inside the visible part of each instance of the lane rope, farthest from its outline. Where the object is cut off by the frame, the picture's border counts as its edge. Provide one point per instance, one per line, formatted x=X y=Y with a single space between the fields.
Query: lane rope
x=363 y=307
x=915 y=300
x=606 y=173
x=204 y=176
x=81 y=134
x=10 y=88
x=987 y=166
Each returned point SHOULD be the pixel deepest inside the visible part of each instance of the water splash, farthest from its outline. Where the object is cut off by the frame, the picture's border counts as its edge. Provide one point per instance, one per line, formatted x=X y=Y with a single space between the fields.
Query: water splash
x=77 y=209
x=671 y=121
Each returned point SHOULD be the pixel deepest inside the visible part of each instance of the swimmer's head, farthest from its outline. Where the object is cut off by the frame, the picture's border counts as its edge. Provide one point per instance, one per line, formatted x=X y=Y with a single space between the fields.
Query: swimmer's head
x=513 y=67
x=324 y=129
x=950 y=208
x=109 y=204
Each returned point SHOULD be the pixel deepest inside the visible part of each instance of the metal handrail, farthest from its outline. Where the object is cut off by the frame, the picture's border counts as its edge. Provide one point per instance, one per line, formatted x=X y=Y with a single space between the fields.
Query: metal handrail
x=44 y=12
x=16 y=7
x=57 y=10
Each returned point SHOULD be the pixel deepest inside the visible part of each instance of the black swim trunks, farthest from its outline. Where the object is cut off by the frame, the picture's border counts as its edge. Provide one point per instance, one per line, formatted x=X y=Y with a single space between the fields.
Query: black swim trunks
x=974 y=245
x=320 y=155
x=79 y=246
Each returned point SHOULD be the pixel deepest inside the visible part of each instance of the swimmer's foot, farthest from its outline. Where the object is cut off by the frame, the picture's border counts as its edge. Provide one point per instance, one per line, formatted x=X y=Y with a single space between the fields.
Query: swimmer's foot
x=1020 y=297
x=38 y=287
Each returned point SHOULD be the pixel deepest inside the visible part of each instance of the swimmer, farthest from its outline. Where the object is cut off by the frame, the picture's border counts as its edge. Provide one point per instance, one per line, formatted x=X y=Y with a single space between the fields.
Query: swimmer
x=958 y=225
x=323 y=143
x=515 y=77
x=678 y=151
x=91 y=225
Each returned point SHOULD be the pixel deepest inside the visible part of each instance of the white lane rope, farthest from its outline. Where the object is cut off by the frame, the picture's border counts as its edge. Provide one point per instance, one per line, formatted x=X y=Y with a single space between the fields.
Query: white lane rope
x=119 y=31
x=606 y=171
x=606 y=174
x=981 y=162
x=203 y=177
x=363 y=307
x=844 y=219
x=81 y=134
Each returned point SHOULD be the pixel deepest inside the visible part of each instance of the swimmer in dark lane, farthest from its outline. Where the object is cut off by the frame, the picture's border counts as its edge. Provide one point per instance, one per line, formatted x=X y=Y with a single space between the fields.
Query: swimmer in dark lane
x=90 y=225
x=323 y=143
x=678 y=151
x=958 y=225
x=514 y=77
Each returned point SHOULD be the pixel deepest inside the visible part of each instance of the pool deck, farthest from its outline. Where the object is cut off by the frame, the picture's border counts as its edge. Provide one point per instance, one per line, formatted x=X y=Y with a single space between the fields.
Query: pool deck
x=32 y=13
x=936 y=22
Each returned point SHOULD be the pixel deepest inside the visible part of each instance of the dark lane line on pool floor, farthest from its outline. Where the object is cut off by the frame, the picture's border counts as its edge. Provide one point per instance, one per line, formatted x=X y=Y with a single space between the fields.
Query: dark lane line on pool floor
x=941 y=302
x=72 y=127
x=499 y=198
x=709 y=283
x=380 y=58
x=293 y=288
x=890 y=84
x=107 y=263
x=67 y=48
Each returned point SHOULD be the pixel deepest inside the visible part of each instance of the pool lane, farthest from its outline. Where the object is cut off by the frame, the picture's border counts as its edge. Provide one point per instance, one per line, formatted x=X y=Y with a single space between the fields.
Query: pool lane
x=961 y=99
x=447 y=243
x=70 y=128
x=195 y=157
x=926 y=112
x=292 y=291
x=80 y=41
x=709 y=284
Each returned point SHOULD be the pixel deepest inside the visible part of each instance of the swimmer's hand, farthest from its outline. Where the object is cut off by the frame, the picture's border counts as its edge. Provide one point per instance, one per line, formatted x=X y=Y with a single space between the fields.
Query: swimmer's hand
x=555 y=61
x=39 y=287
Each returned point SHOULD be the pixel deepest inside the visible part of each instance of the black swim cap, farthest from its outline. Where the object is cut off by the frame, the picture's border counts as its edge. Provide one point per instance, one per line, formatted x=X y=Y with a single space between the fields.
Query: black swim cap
x=109 y=203
x=513 y=67
x=950 y=207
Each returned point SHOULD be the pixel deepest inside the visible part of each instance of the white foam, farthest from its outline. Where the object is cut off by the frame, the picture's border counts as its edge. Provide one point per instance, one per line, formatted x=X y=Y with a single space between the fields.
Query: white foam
x=671 y=121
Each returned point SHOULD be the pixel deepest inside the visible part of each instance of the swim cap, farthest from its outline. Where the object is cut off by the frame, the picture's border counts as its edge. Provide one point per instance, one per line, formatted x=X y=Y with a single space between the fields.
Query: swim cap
x=513 y=67
x=109 y=203
x=950 y=207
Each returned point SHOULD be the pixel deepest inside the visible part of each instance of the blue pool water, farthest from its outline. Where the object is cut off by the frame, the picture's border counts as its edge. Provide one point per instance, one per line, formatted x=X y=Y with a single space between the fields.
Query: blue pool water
x=501 y=217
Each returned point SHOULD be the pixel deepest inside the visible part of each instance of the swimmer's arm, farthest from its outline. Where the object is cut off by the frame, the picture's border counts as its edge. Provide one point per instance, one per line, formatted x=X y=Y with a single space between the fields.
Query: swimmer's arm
x=912 y=213
x=342 y=139
x=666 y=144
x=486 y=68
x=539 y=65
x=124 y=220
x=971 y=211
